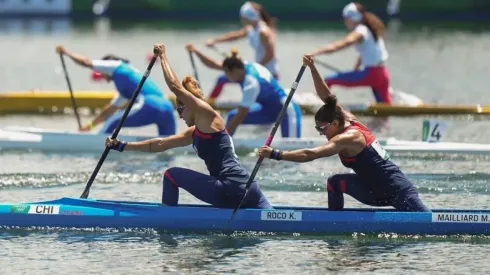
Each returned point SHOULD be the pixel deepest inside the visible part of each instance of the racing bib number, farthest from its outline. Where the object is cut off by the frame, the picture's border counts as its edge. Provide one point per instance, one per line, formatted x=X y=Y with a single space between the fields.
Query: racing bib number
x=233 y=147
x=380 y=150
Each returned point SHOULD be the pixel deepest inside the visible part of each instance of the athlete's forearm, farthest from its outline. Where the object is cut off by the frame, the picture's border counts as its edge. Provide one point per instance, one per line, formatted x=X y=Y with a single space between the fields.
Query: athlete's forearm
x=156 y=145
x=325 y=50
x=321 y=87
x=231 y=36
x=208 y=61
x=79 y=59
x=300 y=155
x=153 y=145
x=106 y=113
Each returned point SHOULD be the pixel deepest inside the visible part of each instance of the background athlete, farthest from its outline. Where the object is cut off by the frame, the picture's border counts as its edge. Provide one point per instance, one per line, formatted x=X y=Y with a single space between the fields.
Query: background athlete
x=377 y=180
x=367 y=32
x=151 y=107
x=263 y=96
x=225 y=185
x=261 y=31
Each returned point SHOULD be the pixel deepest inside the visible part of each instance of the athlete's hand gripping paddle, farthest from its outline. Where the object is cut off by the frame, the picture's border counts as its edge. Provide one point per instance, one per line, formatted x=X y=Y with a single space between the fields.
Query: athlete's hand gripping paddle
x=269 y=138
x=118 y=128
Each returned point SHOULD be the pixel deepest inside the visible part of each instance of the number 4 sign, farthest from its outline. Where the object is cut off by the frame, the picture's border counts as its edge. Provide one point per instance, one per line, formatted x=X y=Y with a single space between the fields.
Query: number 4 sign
x=434 y=130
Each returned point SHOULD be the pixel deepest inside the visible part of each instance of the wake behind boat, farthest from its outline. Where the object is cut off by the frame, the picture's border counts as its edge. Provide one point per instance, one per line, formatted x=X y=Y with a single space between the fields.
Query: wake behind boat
x=89 y=213
x=71 y=141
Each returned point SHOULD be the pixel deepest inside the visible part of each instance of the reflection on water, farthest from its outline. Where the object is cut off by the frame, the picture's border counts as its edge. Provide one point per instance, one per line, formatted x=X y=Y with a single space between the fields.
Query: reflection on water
x=240 y=253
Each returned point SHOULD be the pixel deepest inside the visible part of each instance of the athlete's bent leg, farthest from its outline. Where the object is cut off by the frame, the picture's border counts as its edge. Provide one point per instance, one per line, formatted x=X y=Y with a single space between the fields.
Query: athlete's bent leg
x=218 y=88
x=140 y=115
x=201 y=186
x=350 y=184
x=208 y=189
x=410 y=201
x=349 y=79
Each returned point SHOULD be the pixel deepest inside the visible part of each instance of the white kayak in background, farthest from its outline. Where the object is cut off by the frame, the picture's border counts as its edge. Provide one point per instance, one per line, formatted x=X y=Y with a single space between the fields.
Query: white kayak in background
x=72 y=141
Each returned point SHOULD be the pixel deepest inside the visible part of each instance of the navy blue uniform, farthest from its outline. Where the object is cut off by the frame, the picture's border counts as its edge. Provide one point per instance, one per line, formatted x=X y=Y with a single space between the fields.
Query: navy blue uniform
x=377 y=180
x=224 y=187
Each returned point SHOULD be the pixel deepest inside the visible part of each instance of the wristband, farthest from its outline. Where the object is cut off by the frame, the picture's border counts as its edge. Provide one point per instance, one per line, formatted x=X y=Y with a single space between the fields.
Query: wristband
x=119 y=146
x=276 y=154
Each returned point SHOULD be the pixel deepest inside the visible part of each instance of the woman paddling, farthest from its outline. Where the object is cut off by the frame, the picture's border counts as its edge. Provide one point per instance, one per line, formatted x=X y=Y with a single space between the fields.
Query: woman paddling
x=151 y=107
x=261 y=30
x=263 y=96
x=377 y=181
x=367 y=32
x=224 y=187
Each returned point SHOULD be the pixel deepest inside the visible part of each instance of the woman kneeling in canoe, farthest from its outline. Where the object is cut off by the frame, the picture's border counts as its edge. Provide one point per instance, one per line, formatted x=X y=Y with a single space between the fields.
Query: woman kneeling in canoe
x=224 y=187
x=377 y=180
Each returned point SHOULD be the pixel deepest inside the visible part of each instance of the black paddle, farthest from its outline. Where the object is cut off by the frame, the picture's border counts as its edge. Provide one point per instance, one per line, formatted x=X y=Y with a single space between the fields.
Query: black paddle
x=118 y=128
x=194 y=66
x=73 y=101
x=269 y=139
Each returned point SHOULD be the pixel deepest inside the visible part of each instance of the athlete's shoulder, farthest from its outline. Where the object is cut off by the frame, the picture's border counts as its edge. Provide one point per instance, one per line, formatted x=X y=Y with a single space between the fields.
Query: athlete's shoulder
x=363 y=30
x=350 y=135
x=258 y=70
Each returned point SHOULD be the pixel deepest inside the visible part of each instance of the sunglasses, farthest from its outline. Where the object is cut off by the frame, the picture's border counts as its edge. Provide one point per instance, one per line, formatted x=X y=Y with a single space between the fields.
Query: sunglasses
x=322 y=128
x=180 y=109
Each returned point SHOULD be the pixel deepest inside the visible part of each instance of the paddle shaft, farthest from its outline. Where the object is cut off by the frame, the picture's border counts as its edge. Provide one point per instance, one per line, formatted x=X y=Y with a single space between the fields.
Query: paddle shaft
x=118 y=128
x=218 y=51
x=270 y=138
x=327 y=66
x=194 y=66
x=73 y=101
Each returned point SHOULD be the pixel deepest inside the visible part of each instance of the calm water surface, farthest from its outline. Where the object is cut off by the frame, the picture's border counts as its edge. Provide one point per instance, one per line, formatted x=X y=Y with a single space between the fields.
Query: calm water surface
x=438 y=65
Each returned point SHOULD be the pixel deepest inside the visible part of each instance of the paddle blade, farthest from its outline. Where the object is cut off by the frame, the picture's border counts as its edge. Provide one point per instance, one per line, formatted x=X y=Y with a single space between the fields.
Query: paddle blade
x=403 y=98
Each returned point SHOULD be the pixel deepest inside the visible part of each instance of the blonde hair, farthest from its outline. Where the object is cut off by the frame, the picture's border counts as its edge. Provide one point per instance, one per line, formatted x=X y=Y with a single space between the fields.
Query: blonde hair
x=191 y=85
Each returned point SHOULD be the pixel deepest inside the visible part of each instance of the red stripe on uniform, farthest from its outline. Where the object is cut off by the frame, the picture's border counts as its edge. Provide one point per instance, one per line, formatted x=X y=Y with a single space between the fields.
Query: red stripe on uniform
x=364 y=130
x=329 y=186
x=343 y=186
x=167 y=174
x=347 y=159
x=201 y=134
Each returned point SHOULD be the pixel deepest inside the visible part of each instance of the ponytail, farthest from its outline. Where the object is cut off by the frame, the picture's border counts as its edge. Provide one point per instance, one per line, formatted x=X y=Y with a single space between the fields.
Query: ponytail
x=264 y=15
x=372 y=22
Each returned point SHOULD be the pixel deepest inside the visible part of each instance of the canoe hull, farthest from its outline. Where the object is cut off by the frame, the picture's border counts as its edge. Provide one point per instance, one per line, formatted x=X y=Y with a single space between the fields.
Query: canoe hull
x=81 y=213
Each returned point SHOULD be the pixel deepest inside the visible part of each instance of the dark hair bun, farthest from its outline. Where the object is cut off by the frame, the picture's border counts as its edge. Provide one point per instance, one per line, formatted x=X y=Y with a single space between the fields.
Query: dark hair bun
x=331 y=102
